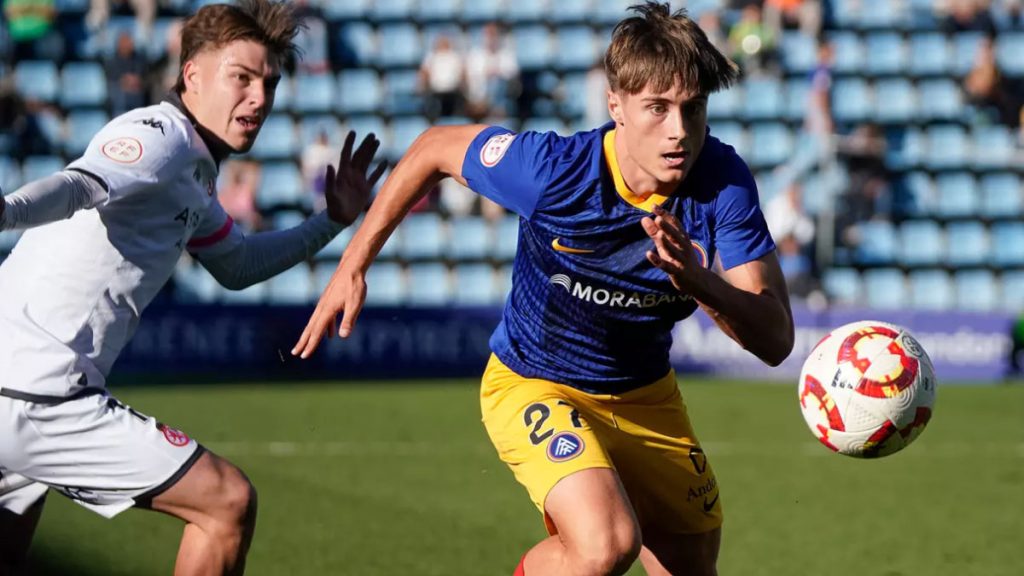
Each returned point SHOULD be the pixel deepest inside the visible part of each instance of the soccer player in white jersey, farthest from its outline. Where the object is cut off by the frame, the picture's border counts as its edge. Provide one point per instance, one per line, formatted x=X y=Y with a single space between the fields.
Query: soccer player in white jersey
x=103 y=236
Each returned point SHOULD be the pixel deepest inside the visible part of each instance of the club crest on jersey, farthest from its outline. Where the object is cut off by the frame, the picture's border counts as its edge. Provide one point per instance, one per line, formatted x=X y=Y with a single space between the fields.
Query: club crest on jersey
x=702 y=254
x=174 y=436
x=494 y=149
x=564 y=446
x=123 y=150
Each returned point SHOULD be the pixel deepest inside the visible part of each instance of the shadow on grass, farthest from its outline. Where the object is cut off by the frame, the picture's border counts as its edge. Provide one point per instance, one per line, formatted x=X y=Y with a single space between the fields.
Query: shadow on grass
x=53 y=561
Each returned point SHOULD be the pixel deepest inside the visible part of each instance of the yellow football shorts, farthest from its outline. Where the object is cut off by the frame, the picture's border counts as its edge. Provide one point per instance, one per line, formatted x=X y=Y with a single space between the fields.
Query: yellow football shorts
x=546 y=431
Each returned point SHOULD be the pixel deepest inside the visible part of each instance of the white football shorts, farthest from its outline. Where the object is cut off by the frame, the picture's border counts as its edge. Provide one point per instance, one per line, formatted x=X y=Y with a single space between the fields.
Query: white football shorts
x=93 y=449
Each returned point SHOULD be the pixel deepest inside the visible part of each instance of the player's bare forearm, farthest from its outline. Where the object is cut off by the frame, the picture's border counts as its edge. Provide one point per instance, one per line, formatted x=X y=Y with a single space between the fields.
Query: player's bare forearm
x=435 y=155
x=757 y=315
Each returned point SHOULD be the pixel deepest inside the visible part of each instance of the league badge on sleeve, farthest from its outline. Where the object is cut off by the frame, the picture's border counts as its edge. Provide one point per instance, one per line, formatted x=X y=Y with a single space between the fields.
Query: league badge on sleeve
x=494 y=149
x=123 y=150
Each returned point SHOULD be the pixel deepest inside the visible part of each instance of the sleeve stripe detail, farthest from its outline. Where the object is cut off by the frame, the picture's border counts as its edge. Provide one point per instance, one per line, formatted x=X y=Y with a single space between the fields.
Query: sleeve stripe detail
x=213 y=238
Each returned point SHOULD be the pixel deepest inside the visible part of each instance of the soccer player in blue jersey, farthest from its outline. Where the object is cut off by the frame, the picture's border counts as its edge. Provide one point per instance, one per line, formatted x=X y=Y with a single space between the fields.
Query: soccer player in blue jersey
x=620 y=228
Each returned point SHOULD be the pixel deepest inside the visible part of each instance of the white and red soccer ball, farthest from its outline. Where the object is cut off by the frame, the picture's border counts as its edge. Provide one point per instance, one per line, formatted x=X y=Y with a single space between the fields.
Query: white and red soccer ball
x=867 y=389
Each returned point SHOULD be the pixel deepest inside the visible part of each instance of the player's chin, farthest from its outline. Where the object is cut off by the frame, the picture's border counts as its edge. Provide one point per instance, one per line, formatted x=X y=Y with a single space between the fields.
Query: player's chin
x=243 y=144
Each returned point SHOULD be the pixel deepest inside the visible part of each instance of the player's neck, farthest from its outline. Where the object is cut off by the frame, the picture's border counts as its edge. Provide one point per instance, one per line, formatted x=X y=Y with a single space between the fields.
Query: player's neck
x=218 y=148
x=638 y=180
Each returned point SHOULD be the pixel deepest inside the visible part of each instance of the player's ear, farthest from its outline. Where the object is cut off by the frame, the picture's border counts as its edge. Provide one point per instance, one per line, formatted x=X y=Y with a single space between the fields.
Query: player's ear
x=190 y=72
x=615 y=107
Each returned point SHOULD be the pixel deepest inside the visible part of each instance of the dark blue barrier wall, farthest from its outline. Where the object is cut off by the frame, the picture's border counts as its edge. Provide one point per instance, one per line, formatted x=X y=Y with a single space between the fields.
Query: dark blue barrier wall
x=239 y=342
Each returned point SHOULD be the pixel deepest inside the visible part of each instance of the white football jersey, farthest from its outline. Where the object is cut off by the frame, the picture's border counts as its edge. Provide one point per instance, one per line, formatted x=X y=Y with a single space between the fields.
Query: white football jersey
x=72 y=291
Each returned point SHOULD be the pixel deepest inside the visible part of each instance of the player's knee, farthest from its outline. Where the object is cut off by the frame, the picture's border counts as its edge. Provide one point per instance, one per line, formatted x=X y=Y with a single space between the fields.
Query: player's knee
x=610 y=552
x=236 y=500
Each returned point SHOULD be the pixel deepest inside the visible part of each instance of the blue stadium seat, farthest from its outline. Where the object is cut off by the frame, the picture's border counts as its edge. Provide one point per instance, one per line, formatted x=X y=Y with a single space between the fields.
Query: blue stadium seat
x=506 y=237
x=37 y=80
x=423 y=237
x=359 y=91
x=405 y=131
x=314 y=93
x=277 y=139
x=887 y=54
x=940 y=99
x=1001 y=195
x=36 y=167
x=920 y=243
x=921 y=194
x=520 y=11
x=504 y=280
x=284 y=94
x=281 y=187
x=385 y=284
x=771 y=144
x=994 y=146
x=293 y=286
x=401 y=94
x=354 y=44
x=976 y=290
x=851 y=100
x=843 y=286
x=10 y=175
x=83 y=84
x=544 y=124
x=1008 y=244
x=429 y=285
x=482 y=11
x=438 y=10
x=573 y=104
x=895 y=100
x=947 y=146
x=193 y=284
x=733 y=134
x=570 y=11
x=475 y=285
x=931 y=290
x=965 y=51
x=764 y=99
x=311 y=126
x=849 y=53
x=957 y=195
x=1009 y=47
x=285 y=219
x=725 y=105
x=382 y=10
x=799 y=52
x=610 y=12
x=576 y=48
x=401 y=46
x=534 y=47
x=968 y=244
x=334 y=249
x=885 y=289
x=1012 y=293
x=798 y=92
x=469 y=238
x=907 y=148
x=881 y=15
x=82 y=126
x=930 y=55
x=877 y=244
x=345 y=9
x=253 y=295
x=460 y=42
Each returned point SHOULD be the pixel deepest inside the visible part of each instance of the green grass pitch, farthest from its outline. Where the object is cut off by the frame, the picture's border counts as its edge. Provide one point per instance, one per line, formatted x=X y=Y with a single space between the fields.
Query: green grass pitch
x=399 y=478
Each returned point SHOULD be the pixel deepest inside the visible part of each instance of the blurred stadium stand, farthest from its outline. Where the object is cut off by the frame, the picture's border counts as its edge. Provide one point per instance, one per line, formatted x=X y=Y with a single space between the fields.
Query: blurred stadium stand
x=953 y=238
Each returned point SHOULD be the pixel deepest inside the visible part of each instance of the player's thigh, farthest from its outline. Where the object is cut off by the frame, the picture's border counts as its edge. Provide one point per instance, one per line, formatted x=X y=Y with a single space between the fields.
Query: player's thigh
x=592 y=514
x=122 y=457
x=665 y=471
x=667 y=554
x=537 y=431
x=212 y=490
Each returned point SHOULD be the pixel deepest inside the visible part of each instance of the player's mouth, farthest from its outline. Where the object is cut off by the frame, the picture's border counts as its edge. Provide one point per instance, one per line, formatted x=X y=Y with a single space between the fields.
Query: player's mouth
x=675 y=159
x=248 y=123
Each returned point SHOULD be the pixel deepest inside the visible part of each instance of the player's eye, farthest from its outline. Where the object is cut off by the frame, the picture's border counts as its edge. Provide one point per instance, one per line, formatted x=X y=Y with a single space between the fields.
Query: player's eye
x=241 y=77
x=658 y=109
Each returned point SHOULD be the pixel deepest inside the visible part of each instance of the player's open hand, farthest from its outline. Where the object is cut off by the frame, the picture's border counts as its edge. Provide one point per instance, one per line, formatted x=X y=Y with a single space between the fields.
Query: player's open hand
x=344 y=295
x=673 y=251
x=348 y=187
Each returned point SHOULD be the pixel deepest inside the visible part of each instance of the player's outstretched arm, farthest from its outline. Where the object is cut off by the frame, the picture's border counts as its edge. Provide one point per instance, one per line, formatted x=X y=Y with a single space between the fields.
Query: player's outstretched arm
x=437 y=153
x=749 y=302
x=55 y=197
x=238 y=261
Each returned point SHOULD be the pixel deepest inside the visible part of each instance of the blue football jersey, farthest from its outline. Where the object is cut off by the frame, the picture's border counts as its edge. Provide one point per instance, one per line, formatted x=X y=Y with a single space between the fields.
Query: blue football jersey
x=586 y=308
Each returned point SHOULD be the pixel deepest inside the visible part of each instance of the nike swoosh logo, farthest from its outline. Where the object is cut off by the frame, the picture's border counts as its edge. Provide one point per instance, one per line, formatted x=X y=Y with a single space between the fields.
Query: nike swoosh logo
x=558 y=246
x=709 y=505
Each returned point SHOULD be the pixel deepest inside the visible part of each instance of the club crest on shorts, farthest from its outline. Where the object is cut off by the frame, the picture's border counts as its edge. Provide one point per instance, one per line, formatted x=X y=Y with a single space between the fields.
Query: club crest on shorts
x=494 y=149
x=174 y=436
x=564 y=446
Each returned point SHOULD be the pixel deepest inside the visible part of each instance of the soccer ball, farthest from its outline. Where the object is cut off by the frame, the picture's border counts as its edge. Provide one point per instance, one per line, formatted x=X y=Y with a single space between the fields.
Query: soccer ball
x=867 y=389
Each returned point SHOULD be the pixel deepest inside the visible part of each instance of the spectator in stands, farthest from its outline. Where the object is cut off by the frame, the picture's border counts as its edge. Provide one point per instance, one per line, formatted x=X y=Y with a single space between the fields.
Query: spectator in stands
x=19 y=123
x=125 y=72
x=315 y=160
x=99 y=13
x=815 y=145
x=164 y=72
x=753 y=43
x=237 y=194
x=793 y=231
x=312 y=39
x=492 y=75
x=995 y=96
x=965 y=16
x=30 y=27
x=787 y=14
x=868 y=195
x=711 y=23
x=441 y=79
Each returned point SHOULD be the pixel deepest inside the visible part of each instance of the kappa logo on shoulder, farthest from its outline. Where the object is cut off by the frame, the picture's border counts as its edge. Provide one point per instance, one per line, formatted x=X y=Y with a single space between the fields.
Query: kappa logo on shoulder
x=494 y=149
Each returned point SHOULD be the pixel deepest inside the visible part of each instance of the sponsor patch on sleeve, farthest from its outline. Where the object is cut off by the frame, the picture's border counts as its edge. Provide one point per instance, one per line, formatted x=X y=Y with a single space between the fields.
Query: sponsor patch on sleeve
x=494 y=149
